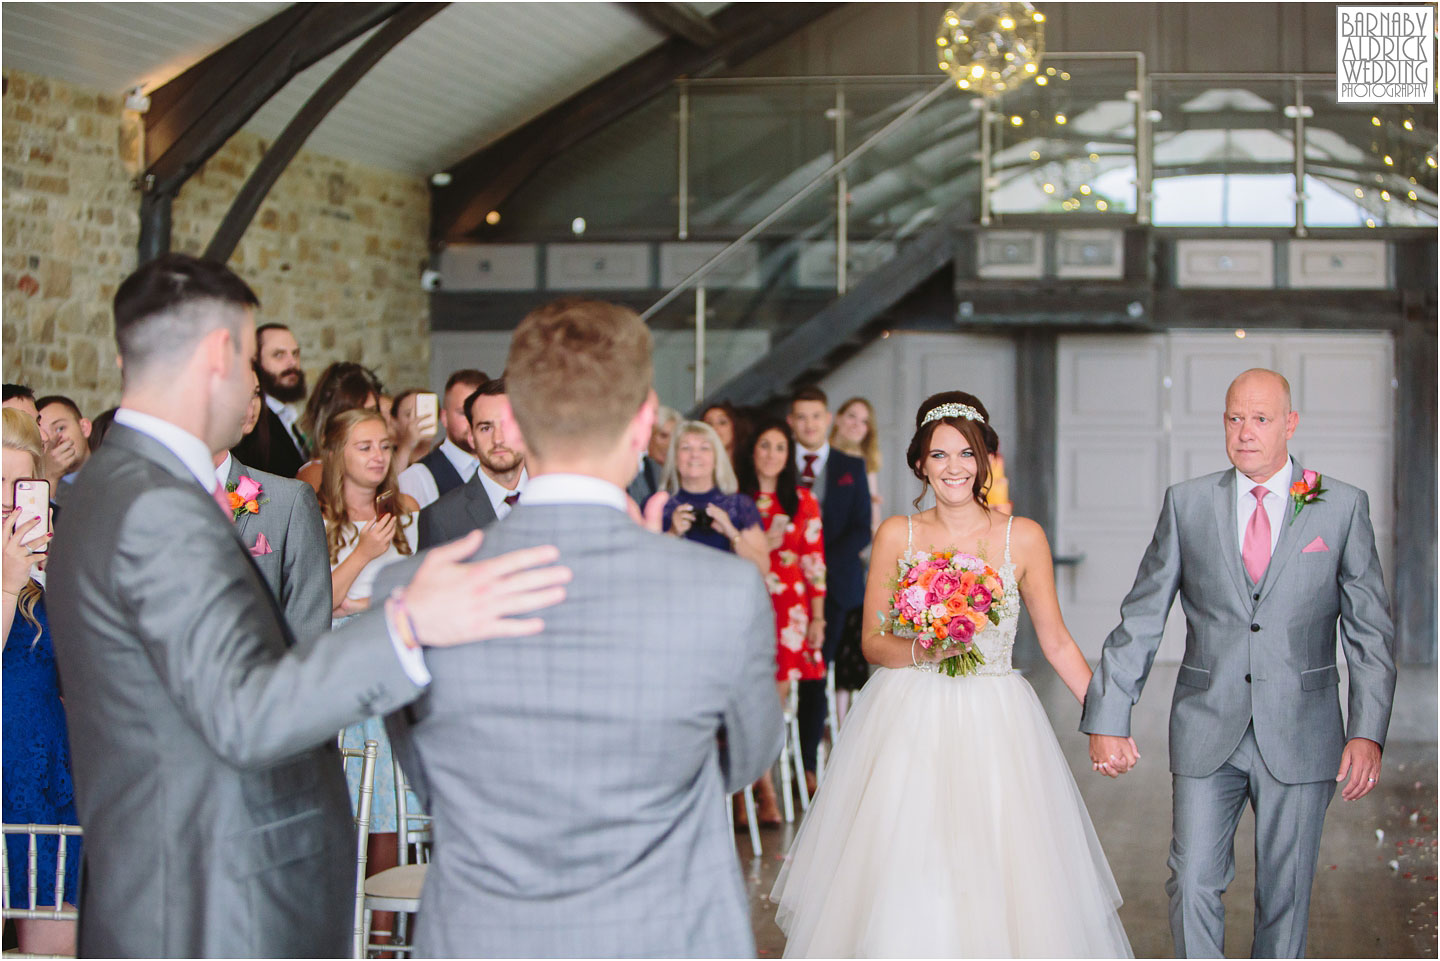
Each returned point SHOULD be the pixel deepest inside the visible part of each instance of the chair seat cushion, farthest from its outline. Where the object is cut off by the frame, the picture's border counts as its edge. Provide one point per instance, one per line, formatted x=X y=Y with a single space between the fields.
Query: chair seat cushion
x=404 y=881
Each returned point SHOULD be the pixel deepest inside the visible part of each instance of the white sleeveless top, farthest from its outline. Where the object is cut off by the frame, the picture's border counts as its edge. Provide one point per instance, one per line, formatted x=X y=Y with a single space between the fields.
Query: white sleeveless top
x=997 y=641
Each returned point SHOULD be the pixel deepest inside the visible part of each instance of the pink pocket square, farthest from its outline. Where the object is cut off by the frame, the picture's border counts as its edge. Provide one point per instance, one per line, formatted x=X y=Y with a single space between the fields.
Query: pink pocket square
x=262 y=547
x=1315 y=547
x=846 y=480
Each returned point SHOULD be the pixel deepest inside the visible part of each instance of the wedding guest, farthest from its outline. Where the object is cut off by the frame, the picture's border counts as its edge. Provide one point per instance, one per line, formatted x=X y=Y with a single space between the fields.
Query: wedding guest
x=413 y=436
x=283 y=533
x=368 y=526
x=496 y=486
x=705 y=505
x=282 y=381
x=855 y=433
x=21 y=398
x=67 y=436
x=840 y=484
x=729 y=426
x=37 y=785
x=794 y=533
x=652 y=462
x=453 y=462
x=341 y=386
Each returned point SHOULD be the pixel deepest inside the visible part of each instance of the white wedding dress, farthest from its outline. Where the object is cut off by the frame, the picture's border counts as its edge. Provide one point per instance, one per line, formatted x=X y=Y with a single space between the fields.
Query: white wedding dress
x=949 y=825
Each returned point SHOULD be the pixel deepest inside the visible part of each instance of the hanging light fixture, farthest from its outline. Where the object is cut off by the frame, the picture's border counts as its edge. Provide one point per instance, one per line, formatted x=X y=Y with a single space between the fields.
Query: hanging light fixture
x=991 y=47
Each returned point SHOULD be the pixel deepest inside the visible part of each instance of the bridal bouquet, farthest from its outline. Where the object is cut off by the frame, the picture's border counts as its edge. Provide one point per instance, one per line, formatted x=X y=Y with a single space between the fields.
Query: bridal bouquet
x=942 y=600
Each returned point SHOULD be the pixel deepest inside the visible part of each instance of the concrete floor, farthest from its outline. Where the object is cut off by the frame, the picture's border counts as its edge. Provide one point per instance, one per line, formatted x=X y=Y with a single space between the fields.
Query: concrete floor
x=1374 y=895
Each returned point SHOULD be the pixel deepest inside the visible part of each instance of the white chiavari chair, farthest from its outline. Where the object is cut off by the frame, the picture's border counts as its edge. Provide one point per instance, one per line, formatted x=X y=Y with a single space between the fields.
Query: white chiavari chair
x=398 y=889
x=365 y=757
x=65 y=864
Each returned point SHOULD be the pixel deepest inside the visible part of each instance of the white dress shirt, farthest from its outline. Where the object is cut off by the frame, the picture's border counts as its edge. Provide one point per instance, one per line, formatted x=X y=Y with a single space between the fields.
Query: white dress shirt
x=575 y=489
x=497 y=494
x=417 y=481
x=222 y=473
x=822 y=457
x=195 y=455
x=289 y=415
x=1276 y=499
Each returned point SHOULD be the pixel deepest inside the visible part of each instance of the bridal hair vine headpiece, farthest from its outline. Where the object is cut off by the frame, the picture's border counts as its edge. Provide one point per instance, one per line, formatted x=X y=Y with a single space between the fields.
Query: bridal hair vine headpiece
x=952 y=410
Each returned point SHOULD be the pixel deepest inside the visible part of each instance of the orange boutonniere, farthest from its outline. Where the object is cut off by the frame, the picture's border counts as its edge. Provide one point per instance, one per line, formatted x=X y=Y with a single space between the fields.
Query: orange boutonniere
x=245 y=497
x=1306 y=490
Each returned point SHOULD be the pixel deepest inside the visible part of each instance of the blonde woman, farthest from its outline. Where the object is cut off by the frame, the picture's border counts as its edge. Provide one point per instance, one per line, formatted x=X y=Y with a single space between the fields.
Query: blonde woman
x=705 y=504
x=38 y=787
x=855 y=433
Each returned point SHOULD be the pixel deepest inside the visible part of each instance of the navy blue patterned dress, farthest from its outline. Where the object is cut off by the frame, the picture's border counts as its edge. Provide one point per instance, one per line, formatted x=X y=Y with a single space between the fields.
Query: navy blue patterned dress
x=742 y=512
x=36 y=759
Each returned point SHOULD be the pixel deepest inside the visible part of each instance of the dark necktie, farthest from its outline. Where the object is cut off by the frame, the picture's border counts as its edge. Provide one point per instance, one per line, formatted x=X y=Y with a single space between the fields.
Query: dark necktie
x=807 y=476
x=512 y=498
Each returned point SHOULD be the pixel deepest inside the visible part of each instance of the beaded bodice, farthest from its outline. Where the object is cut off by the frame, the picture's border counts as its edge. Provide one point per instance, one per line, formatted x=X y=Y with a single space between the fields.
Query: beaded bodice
x=997 y=641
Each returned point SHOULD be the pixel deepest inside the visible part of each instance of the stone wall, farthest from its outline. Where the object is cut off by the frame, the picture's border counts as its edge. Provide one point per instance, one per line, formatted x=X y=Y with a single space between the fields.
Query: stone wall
x=335 y=251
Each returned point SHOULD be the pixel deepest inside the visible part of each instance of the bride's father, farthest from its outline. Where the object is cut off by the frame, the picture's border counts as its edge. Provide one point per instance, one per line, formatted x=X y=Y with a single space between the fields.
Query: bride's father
x=576 y=778
x=1267 y=559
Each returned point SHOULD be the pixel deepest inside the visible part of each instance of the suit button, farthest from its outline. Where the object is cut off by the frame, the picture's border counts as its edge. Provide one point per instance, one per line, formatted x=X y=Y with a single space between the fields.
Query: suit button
x=1247 y=678
x=1257 y=597
x=1254 y=627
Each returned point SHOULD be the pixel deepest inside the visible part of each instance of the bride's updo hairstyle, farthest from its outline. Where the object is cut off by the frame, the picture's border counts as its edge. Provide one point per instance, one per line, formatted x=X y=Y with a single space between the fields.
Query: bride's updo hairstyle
x=965 y=413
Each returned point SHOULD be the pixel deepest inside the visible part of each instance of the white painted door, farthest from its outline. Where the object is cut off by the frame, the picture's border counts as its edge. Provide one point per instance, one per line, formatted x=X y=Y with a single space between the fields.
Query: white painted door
x=1138 y=413
x=895 y=373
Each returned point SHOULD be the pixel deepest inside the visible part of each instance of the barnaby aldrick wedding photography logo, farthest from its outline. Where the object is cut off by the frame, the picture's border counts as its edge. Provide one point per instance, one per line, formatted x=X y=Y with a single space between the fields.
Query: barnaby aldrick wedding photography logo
x=1385 y=54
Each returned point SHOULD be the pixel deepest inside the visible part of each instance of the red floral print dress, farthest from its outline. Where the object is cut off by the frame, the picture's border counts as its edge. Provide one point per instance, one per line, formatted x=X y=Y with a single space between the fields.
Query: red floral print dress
x=796 y=578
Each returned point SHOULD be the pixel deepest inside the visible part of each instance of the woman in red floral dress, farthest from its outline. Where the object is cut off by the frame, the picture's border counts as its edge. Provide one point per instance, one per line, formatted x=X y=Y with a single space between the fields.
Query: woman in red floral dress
x=791 y=518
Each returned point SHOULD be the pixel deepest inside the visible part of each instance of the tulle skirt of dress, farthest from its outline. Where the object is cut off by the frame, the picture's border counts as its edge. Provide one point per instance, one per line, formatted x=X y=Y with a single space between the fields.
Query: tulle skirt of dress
x=948 y=825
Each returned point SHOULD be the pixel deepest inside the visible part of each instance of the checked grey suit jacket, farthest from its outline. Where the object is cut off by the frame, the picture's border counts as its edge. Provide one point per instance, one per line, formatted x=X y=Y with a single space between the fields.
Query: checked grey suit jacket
x=467 y=508
x=1264 y=652
x=297 y=567
x=217 y=821
x=574 y=776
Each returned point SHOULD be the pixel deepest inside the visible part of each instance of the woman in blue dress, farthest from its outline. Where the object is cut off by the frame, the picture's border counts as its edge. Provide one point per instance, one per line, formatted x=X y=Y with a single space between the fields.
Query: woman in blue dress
x=36 y=748
x=705 y=504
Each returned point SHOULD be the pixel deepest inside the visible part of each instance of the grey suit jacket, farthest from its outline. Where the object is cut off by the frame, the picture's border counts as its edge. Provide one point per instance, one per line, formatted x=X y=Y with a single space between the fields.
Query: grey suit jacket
x=217 y=822
x=297 y=566
x=574 y=776
x=1256 y=652
x=467 y=508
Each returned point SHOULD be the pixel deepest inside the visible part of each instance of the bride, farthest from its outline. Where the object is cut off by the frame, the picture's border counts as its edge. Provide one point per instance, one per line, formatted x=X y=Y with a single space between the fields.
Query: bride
x=948 y=824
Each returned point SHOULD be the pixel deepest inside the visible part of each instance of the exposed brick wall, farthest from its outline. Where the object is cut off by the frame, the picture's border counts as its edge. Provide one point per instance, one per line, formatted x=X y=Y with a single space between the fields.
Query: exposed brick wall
x=335 y=251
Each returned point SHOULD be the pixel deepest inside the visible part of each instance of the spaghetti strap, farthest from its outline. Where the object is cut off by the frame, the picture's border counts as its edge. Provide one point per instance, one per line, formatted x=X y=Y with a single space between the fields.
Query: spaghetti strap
x=909 y=532
x=1007 y=537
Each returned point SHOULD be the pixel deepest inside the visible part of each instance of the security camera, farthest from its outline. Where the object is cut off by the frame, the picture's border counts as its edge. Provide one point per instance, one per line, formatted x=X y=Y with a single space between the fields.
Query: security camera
x=430 y=280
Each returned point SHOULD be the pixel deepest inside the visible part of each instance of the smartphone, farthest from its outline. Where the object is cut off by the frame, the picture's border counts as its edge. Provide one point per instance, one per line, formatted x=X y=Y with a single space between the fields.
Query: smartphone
x=427 y=408
x=32 y=499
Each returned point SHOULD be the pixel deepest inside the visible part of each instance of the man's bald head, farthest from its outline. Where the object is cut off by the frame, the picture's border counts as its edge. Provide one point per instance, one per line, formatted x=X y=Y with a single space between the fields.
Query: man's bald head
x=1259 y=422
x=1261 y=378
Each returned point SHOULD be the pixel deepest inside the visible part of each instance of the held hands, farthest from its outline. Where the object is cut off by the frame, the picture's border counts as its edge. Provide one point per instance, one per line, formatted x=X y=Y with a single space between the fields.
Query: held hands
x=1361 y=761
x=454 y=601
x=1113 y=756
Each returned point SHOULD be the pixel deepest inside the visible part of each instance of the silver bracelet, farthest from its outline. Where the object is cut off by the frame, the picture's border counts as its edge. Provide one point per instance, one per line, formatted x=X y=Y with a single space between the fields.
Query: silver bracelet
x=912 y=652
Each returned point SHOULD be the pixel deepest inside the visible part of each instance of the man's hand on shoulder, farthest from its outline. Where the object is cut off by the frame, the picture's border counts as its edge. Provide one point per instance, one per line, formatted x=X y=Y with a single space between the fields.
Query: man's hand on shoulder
x=1361 y=763
x=452 y=600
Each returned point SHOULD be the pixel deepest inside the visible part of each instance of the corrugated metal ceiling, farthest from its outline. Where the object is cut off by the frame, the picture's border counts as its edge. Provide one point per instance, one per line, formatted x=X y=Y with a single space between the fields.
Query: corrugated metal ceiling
x=464 y=78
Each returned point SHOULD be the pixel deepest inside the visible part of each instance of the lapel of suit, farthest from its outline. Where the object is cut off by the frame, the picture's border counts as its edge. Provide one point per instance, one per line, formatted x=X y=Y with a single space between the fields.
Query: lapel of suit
x=477 y=503
x=242 y=526
x=1223 y=497
x=1290 y=533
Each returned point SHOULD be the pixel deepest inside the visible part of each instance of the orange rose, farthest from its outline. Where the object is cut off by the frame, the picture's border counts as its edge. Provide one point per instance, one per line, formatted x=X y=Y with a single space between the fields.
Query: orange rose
x=1298 y=488
x=235 y=500
x=979 y=620
x=252 y=506
x=926 y=576
x=956 y=604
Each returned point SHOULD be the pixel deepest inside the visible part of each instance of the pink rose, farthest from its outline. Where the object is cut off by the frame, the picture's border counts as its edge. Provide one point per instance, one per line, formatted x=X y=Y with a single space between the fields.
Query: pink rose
x=961 y=629
x=1310 y=477
x=980 y=600
x=945 y=584
x=247 y=488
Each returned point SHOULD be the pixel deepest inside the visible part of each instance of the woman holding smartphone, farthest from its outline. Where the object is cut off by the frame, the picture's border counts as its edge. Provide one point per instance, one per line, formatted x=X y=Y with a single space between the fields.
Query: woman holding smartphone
x=38 y=788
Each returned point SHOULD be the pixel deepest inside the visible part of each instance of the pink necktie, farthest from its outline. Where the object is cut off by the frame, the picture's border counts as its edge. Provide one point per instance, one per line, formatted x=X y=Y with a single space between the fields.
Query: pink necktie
x=1256 y=551
x=222 y=498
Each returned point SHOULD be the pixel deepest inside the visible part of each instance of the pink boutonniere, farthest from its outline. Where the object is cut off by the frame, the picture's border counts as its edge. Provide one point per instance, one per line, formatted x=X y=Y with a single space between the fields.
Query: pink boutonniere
x=1306 y=490
x=245 y=497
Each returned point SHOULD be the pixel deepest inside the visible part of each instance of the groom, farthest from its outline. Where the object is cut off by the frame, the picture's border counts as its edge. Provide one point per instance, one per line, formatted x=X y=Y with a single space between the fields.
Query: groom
x=1267 y=558
x=576 y=779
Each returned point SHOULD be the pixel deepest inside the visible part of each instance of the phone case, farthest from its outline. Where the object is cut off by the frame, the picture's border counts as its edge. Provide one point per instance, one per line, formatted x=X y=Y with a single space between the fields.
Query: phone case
x=32 y=499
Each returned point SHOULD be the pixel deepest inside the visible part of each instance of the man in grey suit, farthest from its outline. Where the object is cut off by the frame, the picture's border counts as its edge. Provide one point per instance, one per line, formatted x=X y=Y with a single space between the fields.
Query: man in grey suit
x=1267 y=558
x=284 y=535
x=577 y=779
x=217 y=822
x=497 y=484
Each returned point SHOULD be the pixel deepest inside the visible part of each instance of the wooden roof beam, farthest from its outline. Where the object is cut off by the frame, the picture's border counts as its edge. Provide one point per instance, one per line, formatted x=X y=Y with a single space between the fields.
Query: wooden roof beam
x=677 y=20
